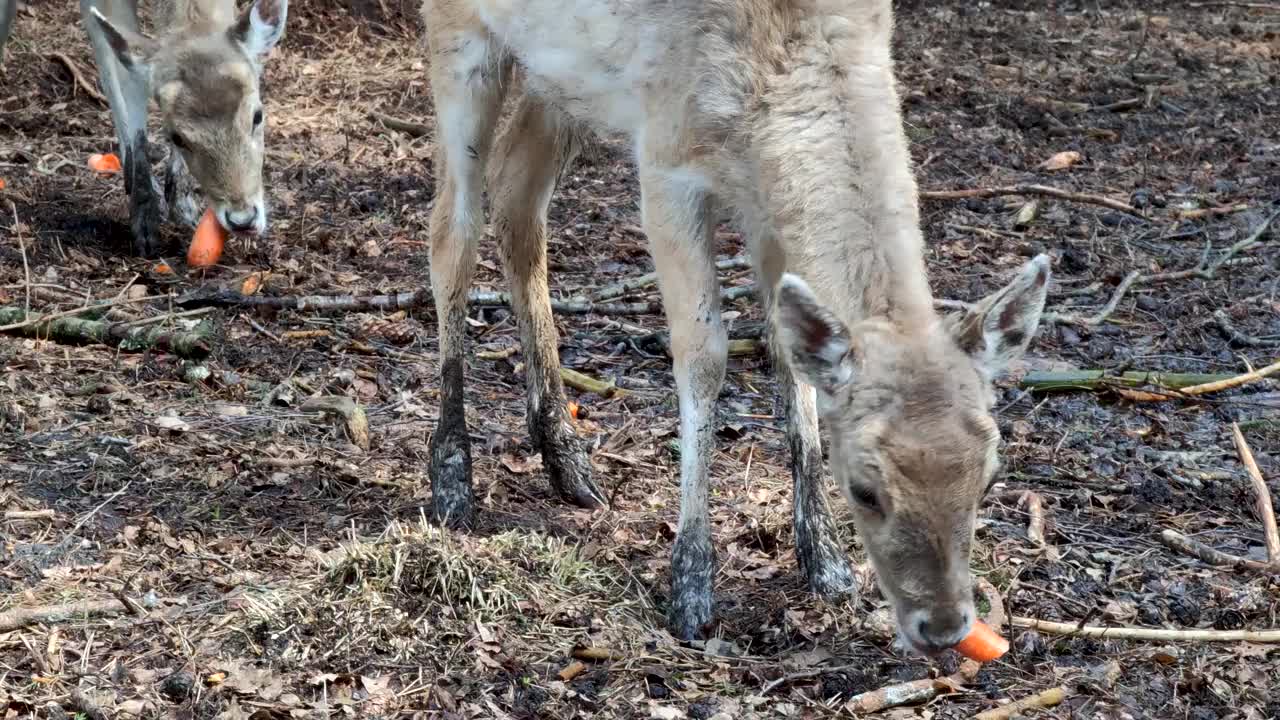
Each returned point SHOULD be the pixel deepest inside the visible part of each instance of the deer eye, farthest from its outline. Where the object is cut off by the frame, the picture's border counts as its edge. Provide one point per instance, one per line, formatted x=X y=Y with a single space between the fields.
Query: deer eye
x=257 y=118
x=866 y=497
x=177 y=141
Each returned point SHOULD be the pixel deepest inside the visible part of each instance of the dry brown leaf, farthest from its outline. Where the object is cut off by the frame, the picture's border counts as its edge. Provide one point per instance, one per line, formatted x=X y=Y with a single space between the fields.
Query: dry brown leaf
x=1061 y=161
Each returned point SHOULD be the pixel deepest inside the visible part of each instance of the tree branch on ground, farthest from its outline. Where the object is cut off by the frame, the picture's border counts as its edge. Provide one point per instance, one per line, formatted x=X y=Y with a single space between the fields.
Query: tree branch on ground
x=1042 y=190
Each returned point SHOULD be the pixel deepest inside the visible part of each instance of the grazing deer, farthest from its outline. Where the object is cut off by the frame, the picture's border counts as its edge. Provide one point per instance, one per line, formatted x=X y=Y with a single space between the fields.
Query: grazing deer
x=202 y=70
x=784 y=116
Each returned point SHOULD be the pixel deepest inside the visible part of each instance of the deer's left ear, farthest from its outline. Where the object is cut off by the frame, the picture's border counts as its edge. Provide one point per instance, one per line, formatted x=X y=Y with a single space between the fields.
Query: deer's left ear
x=815 y=342
x=997 y=331
x=260 y=27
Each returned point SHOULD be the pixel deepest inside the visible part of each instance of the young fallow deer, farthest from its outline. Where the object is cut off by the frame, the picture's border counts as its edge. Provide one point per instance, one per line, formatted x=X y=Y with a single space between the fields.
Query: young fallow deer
x=782 y=114
x=203 y=71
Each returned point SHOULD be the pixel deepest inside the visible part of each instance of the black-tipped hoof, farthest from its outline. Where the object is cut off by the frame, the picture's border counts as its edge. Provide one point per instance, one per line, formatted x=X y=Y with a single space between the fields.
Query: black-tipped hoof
x=570 y=475
x=452 y=498
x=692 y=572
x=834 y=580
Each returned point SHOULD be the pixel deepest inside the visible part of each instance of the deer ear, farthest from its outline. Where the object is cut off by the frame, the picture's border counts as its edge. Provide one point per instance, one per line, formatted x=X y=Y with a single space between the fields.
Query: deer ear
x=814 y=341
x=261 y=26
x=132 y=49
x=997 y=331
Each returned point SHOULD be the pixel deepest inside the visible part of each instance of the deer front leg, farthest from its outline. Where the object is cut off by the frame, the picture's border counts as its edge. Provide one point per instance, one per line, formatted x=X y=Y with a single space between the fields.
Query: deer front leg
x=680 y=227
x=468 y=98
x=126 y=93
x=532 y=152
x=821 y=556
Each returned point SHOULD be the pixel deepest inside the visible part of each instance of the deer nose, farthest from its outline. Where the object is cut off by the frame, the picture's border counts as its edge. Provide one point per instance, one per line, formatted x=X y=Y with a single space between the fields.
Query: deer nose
x=942 y=628
x=241 y=221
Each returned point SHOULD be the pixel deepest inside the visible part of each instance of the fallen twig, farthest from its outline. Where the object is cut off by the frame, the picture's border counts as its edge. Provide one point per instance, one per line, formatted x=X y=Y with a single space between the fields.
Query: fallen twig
x=623 y=287
x=914 y=691
x=193 y=345
x=1208 y=555
x=1233 y=381
x=1265 y=510
x=407 y=127
x=1160 y=634
x=596 y=654
x=1198 y=213
x=22 y=617
x=399 y=301
x=1046 y=699
x=353 y=417
x=88 y=87
x=586 y=383
x=1225 y=325
x=1103 y=314
x=46 y=514
x=1035 y=522
x=1206 y=270
x=1044 y=190
x=1100 y=380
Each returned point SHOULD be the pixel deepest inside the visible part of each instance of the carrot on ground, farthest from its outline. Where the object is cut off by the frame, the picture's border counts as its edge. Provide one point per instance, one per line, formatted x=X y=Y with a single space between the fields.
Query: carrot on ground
x=105 y=163
x=207 y=243
x=983 y=644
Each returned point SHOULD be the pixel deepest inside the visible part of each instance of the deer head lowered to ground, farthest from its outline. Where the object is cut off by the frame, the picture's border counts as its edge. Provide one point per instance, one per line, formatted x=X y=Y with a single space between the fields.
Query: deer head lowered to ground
x=783 y=115
x=203 y=72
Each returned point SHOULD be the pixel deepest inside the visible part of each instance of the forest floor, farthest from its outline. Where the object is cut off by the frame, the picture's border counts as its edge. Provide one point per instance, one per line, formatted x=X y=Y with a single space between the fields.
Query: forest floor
x=274 y=568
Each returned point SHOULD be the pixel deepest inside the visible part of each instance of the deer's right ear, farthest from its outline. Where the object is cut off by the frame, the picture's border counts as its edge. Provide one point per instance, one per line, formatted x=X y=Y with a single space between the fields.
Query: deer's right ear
x=261 y=26
x=815 y=341
x=133 y=50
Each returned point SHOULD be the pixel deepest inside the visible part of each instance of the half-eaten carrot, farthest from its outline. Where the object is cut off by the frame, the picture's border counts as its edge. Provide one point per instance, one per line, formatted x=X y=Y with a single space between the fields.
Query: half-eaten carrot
x=983 y=644
x=573 y=410
x=208 y=241
x=104 y=163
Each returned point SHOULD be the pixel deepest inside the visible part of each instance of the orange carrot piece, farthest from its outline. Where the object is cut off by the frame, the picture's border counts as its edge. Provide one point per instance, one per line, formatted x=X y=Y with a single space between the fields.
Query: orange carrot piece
x=983 y=644
x=105 y=163
x=207 y=243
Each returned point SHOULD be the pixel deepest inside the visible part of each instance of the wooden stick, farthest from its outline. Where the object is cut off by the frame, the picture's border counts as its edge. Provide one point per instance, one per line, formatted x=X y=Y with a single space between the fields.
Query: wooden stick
x=191 y=345
x=412 y=129
x=22 y=617
x=1100 y=380
x=1234 y=381
x=79 y=78
x=1265 y=509
x=914 y=691
x=1199 y=550
x=1160 y=634
x=46 y=514
x=28 y=320
x=1035 y=525
x=586 y=383
x=1044 y=190
x=619 y=289
x=1046 y=699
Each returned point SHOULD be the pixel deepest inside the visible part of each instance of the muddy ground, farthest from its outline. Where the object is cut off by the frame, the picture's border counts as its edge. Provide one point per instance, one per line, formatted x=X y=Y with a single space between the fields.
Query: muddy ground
x=275 y=569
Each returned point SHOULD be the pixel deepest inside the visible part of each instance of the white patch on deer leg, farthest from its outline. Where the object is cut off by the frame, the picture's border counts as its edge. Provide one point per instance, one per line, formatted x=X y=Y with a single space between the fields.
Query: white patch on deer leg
x=458 y=127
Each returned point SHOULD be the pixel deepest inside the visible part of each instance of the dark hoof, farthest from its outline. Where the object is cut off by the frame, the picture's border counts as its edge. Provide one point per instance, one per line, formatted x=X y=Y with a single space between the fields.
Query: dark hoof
x=692 y=570
x=833 y=580
x=570 y=474
x=144 y=215
x=452 y=498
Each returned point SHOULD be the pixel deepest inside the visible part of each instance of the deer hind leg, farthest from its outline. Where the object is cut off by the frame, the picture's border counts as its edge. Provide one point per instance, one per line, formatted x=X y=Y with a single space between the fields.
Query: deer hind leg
x=534 y=149
x=467 y=90
x=679 y=221
x=126 y=92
